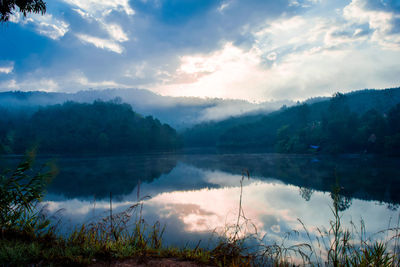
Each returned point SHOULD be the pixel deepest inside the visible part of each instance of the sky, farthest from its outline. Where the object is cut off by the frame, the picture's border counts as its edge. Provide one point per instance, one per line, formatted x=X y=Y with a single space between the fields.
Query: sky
x=257 y=50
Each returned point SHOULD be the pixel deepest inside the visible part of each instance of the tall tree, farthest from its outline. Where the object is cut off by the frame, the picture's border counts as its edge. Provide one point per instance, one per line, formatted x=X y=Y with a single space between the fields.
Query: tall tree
x=8 y=7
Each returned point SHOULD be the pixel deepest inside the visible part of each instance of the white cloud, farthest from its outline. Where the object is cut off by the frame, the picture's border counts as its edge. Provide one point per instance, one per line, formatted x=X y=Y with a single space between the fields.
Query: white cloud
x=236 y=73
x=381 y=21
x=116 y=33
x=272 y=56
x=101 y=43
x=102 y=7
x=377 y=19
x=83 y=14
x=217 y=75
x=31 y=84
x=224 y=6
x=286 y=35
x=51 y=27
x=344 y=35
x=46 y=24
x=6 y=68
x=324 y=48
x=114 y=30
x=9 y=85
x=15 y=18
x=303 y=3
x=79 y=80
x=75 y=79
x=139 y=71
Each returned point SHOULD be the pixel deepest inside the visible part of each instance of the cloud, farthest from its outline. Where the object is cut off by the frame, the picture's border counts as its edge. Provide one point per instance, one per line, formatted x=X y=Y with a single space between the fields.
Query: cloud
x=101 y=43
x=83 y=82
x=295 y=57
x=46 y=25
x=41 y=84
x=379 y=17
x=99 y=15
x=116 y=33
x=298 y=74
x=9 y=85
x=76 y=80
x=6 y=70
x=102 y=7
x=272 y=56
x=6 y=67
x=51 y=27
x=215 y=75
x=224 y=6
x=256 y=49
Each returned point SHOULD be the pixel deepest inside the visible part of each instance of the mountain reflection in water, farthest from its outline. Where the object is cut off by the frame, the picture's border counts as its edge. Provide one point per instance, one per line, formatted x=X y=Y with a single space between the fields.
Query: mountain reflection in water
x=194 y=195
x=272 y=207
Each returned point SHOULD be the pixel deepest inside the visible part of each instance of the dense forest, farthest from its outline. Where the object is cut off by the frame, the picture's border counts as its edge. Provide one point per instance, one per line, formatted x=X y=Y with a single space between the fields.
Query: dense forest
x=100 y=127
x=361 y=122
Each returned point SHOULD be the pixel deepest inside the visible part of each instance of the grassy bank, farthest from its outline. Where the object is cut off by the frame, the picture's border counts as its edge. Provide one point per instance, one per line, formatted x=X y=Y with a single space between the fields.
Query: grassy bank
x=28 y=236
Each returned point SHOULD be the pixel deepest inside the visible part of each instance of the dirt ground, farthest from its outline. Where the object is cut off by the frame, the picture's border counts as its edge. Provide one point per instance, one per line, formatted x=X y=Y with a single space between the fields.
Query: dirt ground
x=150 y=262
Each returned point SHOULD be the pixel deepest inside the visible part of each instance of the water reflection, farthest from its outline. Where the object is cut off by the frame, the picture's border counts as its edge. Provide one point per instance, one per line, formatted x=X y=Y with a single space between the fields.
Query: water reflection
x=194 y=195
x=363 y=177
x=88 y=177
x=193 y=206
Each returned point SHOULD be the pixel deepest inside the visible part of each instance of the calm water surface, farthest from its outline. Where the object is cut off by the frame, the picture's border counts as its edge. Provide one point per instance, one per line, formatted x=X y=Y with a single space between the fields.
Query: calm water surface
x=195 y=194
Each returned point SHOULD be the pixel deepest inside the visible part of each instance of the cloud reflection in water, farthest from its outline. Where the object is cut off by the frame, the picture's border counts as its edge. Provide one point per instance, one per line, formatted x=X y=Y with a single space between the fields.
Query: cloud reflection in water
x=273 y=207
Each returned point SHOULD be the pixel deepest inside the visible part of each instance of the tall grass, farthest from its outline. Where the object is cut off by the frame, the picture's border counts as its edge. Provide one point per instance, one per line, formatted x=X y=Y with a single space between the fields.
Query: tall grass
x=335 y=245
x=20 y=192
x=339 y=245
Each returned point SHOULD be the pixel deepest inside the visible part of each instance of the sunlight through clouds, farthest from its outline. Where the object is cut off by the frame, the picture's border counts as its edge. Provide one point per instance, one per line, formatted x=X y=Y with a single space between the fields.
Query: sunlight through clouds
x=255 y=50
x=298 y=74
x=216 y=75
x=295 y=57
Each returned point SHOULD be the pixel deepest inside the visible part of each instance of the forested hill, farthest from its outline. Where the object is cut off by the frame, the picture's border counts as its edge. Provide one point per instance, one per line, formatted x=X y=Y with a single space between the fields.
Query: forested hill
x=100 y=127
x=357 y=122
x=179 y=112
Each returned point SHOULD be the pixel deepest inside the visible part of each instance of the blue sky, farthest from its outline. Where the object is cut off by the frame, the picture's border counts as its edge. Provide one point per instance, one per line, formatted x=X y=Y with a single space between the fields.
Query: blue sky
x=255 y=49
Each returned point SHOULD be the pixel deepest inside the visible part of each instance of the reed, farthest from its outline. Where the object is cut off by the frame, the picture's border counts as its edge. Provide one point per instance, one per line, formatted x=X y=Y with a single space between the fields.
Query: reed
x=341 y=246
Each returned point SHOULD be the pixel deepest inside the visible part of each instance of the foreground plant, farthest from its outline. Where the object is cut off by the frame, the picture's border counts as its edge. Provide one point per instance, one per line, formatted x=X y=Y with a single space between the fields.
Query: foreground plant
x=20 y=192
x=340 y=246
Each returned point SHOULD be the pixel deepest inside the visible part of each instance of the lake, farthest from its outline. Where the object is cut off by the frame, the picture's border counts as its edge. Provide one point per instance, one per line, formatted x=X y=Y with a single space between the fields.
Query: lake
x=196 y=194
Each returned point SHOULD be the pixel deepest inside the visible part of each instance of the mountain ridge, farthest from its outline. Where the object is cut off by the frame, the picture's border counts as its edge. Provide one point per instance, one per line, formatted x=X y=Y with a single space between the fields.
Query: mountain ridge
x=179 y=112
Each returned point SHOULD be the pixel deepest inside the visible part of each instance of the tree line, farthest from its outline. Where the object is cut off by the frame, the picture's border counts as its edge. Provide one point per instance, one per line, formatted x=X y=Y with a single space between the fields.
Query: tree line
x=100 y=127
x=361 y=122
x=336 y=130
